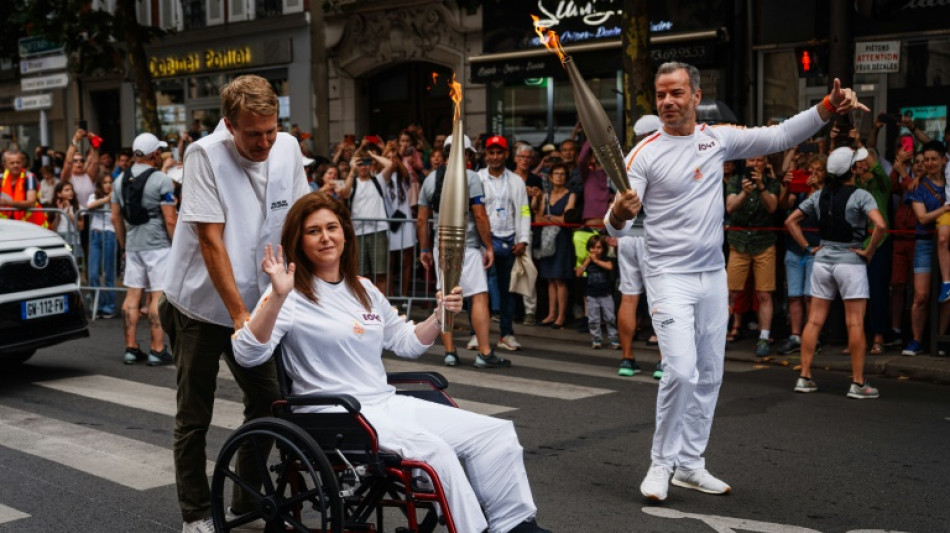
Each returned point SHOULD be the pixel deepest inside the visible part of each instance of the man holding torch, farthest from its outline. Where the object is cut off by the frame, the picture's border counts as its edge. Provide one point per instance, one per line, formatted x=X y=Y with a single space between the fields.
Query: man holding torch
x=479 y=257
x=677 y=172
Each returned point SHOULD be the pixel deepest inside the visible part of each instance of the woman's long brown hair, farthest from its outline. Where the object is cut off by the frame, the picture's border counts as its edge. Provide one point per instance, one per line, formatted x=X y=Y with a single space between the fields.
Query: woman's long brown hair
x=292 y=241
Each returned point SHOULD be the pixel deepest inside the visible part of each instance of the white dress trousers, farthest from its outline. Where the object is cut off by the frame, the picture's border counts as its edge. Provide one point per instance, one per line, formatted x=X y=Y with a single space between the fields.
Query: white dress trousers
x=456 y=442
x=690 y=312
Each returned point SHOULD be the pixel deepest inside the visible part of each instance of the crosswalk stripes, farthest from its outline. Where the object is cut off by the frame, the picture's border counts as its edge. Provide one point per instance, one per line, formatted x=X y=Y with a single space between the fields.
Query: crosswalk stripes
x=495 y=379
x=128 y=462
x=9 y=514
x=482 y=408
x=159 y=400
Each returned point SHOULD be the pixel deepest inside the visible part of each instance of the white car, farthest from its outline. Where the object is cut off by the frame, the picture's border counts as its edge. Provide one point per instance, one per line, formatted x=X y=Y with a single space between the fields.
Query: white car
x=40 y=302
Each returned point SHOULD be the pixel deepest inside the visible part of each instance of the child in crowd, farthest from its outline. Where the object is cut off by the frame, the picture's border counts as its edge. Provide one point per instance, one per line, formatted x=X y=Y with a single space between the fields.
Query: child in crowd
x=599 y=292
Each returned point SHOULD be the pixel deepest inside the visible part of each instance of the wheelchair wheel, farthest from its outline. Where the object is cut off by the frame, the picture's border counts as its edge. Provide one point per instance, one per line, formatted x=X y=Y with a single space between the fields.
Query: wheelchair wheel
x=287 y=482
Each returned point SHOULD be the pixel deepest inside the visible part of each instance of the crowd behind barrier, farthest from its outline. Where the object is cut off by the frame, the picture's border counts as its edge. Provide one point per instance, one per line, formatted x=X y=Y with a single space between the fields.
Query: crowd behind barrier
x=408 y=158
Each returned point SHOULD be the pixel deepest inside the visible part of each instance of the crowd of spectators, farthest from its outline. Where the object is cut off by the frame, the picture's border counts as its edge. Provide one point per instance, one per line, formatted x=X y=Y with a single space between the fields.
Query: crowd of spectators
x=566 y=188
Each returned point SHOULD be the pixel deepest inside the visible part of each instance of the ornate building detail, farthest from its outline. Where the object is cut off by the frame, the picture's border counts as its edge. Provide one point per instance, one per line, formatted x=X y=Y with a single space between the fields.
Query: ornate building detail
x=413 y=33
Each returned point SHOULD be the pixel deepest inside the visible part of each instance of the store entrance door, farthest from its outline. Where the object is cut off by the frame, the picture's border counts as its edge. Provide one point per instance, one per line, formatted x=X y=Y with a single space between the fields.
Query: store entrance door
x=416 y=92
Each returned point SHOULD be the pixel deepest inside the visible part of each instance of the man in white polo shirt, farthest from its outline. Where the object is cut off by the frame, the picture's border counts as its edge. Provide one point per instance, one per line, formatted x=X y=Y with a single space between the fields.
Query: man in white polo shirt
x=238 y=185
x=146 y=243
x=677 y=172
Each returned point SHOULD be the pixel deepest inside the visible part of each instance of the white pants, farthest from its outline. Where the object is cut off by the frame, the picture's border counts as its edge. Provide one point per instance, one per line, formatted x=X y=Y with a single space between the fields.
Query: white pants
x=690 y=313
x=446 y=438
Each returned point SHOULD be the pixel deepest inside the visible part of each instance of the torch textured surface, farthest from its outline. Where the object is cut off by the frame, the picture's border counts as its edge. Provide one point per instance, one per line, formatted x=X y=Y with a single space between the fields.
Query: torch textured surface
x=453 y=215
x=600 y=131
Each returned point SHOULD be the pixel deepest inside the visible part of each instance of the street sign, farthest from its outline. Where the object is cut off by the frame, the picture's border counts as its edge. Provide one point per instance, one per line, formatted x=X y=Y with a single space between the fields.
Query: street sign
x=32 y=102
x=43 y=64
x=53 y=81
x=34 y=46
x=877 y=57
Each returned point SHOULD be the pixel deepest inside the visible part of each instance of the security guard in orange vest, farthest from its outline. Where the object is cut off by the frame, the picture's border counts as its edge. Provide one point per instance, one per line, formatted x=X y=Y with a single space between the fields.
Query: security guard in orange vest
x=19 y=190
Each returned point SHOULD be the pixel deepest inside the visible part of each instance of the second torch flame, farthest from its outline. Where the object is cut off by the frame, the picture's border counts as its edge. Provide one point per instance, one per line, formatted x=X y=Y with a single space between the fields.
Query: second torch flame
x=453 y=208
x=599 y=129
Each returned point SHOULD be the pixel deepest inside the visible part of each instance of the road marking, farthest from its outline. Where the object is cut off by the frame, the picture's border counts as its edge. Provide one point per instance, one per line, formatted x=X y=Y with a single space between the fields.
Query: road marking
x=128 y=462
x=9 y=514
x=159 y=400
x=488 y=409
x=495 y=379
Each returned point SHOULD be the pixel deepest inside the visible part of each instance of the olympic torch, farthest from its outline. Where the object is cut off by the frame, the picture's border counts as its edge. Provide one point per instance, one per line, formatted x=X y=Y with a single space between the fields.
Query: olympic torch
x=453 y=209
x=600 y=131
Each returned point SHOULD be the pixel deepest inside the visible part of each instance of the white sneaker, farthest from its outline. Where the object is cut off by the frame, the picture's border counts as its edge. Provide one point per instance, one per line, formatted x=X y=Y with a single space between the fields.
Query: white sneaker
x=700 y=480
x=205 y=525
x=472 y=343
x=250 y=527
x=805 y=385
x=656 y=483
x=509 y=342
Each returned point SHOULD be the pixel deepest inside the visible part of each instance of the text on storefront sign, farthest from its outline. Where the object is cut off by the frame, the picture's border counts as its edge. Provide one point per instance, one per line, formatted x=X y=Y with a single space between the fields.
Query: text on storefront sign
x=207 y=60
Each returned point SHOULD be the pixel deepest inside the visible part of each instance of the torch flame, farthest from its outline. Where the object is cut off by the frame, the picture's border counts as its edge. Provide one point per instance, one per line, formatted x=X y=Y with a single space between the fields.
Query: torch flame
x=551 y=41
x=455 y=93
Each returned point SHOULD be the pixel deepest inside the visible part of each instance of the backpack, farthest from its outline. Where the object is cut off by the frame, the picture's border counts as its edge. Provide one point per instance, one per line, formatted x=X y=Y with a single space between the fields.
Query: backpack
x=439 y=181
x=132 y=189
x=832 y=224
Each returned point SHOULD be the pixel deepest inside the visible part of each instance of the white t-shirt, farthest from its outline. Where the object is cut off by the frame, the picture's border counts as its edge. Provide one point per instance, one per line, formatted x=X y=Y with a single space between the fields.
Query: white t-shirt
x=679 y=179
x=101 y=219
x=368 y=203
x=83 y=186
x=334 y=346
x=202 y=203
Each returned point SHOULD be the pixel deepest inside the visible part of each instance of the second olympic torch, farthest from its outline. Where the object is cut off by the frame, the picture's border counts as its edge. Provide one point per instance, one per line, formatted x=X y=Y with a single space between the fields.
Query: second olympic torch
x=453 y=211
x=599 y=129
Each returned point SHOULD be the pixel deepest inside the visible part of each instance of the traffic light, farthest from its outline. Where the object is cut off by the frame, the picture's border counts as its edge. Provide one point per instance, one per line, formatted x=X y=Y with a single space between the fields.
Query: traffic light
x=810 y=61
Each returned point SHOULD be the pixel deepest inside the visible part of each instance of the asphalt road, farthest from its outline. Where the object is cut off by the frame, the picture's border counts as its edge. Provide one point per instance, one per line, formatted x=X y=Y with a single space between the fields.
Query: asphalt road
x=85 y=444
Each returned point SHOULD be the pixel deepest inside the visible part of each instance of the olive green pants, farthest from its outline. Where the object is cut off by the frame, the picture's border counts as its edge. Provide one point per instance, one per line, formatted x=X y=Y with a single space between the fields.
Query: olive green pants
x=197 y=347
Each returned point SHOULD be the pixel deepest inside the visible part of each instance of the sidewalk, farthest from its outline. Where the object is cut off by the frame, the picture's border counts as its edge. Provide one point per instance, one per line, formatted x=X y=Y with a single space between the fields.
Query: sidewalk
x=570 y=341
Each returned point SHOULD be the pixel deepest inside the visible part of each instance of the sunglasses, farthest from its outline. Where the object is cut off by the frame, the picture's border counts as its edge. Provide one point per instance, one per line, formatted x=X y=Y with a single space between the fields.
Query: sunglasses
x=79 y=160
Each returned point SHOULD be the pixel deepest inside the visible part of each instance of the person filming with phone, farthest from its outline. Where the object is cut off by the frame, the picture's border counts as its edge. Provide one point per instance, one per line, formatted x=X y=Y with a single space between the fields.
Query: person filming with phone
x=752 y=199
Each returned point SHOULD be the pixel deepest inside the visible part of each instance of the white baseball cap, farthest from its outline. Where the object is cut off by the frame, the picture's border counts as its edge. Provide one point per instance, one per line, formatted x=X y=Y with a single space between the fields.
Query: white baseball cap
x=842 y=159
x=467 y=141
x=147 y=144
x=646 y=124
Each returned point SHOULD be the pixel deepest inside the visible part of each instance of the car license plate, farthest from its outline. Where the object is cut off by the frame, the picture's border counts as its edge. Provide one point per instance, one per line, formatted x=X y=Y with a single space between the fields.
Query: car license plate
x=41 y=307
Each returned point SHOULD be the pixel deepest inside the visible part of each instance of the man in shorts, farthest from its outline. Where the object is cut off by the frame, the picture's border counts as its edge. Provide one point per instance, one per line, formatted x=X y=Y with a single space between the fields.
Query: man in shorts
x=752 y=200
x=479 y=256
x=146 y=246
x=841 y=263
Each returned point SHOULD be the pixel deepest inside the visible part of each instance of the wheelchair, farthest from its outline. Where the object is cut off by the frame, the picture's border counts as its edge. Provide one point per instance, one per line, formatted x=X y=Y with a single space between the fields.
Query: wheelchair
x=324 y=472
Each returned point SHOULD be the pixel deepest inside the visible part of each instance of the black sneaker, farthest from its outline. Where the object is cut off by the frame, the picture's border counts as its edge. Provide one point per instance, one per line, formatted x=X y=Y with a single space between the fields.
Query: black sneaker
x=529 y=527
x=492 y=361
x=160 y=358
x=134 y=355
x=789 y=346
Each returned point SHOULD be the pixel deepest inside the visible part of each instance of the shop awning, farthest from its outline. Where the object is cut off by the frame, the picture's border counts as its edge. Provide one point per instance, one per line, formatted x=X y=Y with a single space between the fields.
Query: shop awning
x=593 y=58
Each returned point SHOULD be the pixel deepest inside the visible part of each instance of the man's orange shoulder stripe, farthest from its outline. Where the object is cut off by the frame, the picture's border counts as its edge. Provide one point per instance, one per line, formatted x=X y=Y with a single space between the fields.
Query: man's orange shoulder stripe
x=637 y=151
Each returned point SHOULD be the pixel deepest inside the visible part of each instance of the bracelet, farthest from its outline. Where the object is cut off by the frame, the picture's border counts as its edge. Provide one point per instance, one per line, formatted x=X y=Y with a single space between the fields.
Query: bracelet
x=425 y=251
x=435 y=315
x=75 y=143
x=828 y=105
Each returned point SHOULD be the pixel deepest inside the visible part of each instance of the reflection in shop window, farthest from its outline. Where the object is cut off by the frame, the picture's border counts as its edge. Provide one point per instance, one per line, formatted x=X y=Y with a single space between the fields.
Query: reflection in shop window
x=524 y=108
x=779 y=86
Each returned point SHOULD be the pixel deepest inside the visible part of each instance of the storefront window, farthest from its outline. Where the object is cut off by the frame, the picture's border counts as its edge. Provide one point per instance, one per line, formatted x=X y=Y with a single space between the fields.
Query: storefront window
x=779 y=86
x=923 y=64
x=542 y=110
x=184 y=100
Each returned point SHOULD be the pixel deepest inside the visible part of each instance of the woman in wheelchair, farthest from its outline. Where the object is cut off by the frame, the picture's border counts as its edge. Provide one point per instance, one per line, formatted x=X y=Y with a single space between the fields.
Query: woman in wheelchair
x=333 y=325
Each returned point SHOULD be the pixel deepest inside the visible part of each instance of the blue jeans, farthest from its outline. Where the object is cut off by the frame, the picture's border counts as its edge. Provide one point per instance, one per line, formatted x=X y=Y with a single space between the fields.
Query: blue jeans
x=504 y=261
x=102 y=262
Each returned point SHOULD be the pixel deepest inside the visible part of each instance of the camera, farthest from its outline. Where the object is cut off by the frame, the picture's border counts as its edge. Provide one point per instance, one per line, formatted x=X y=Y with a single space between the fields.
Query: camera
x=95 y=141
x=83 y=124
x=808 y=148
x=366 y=161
